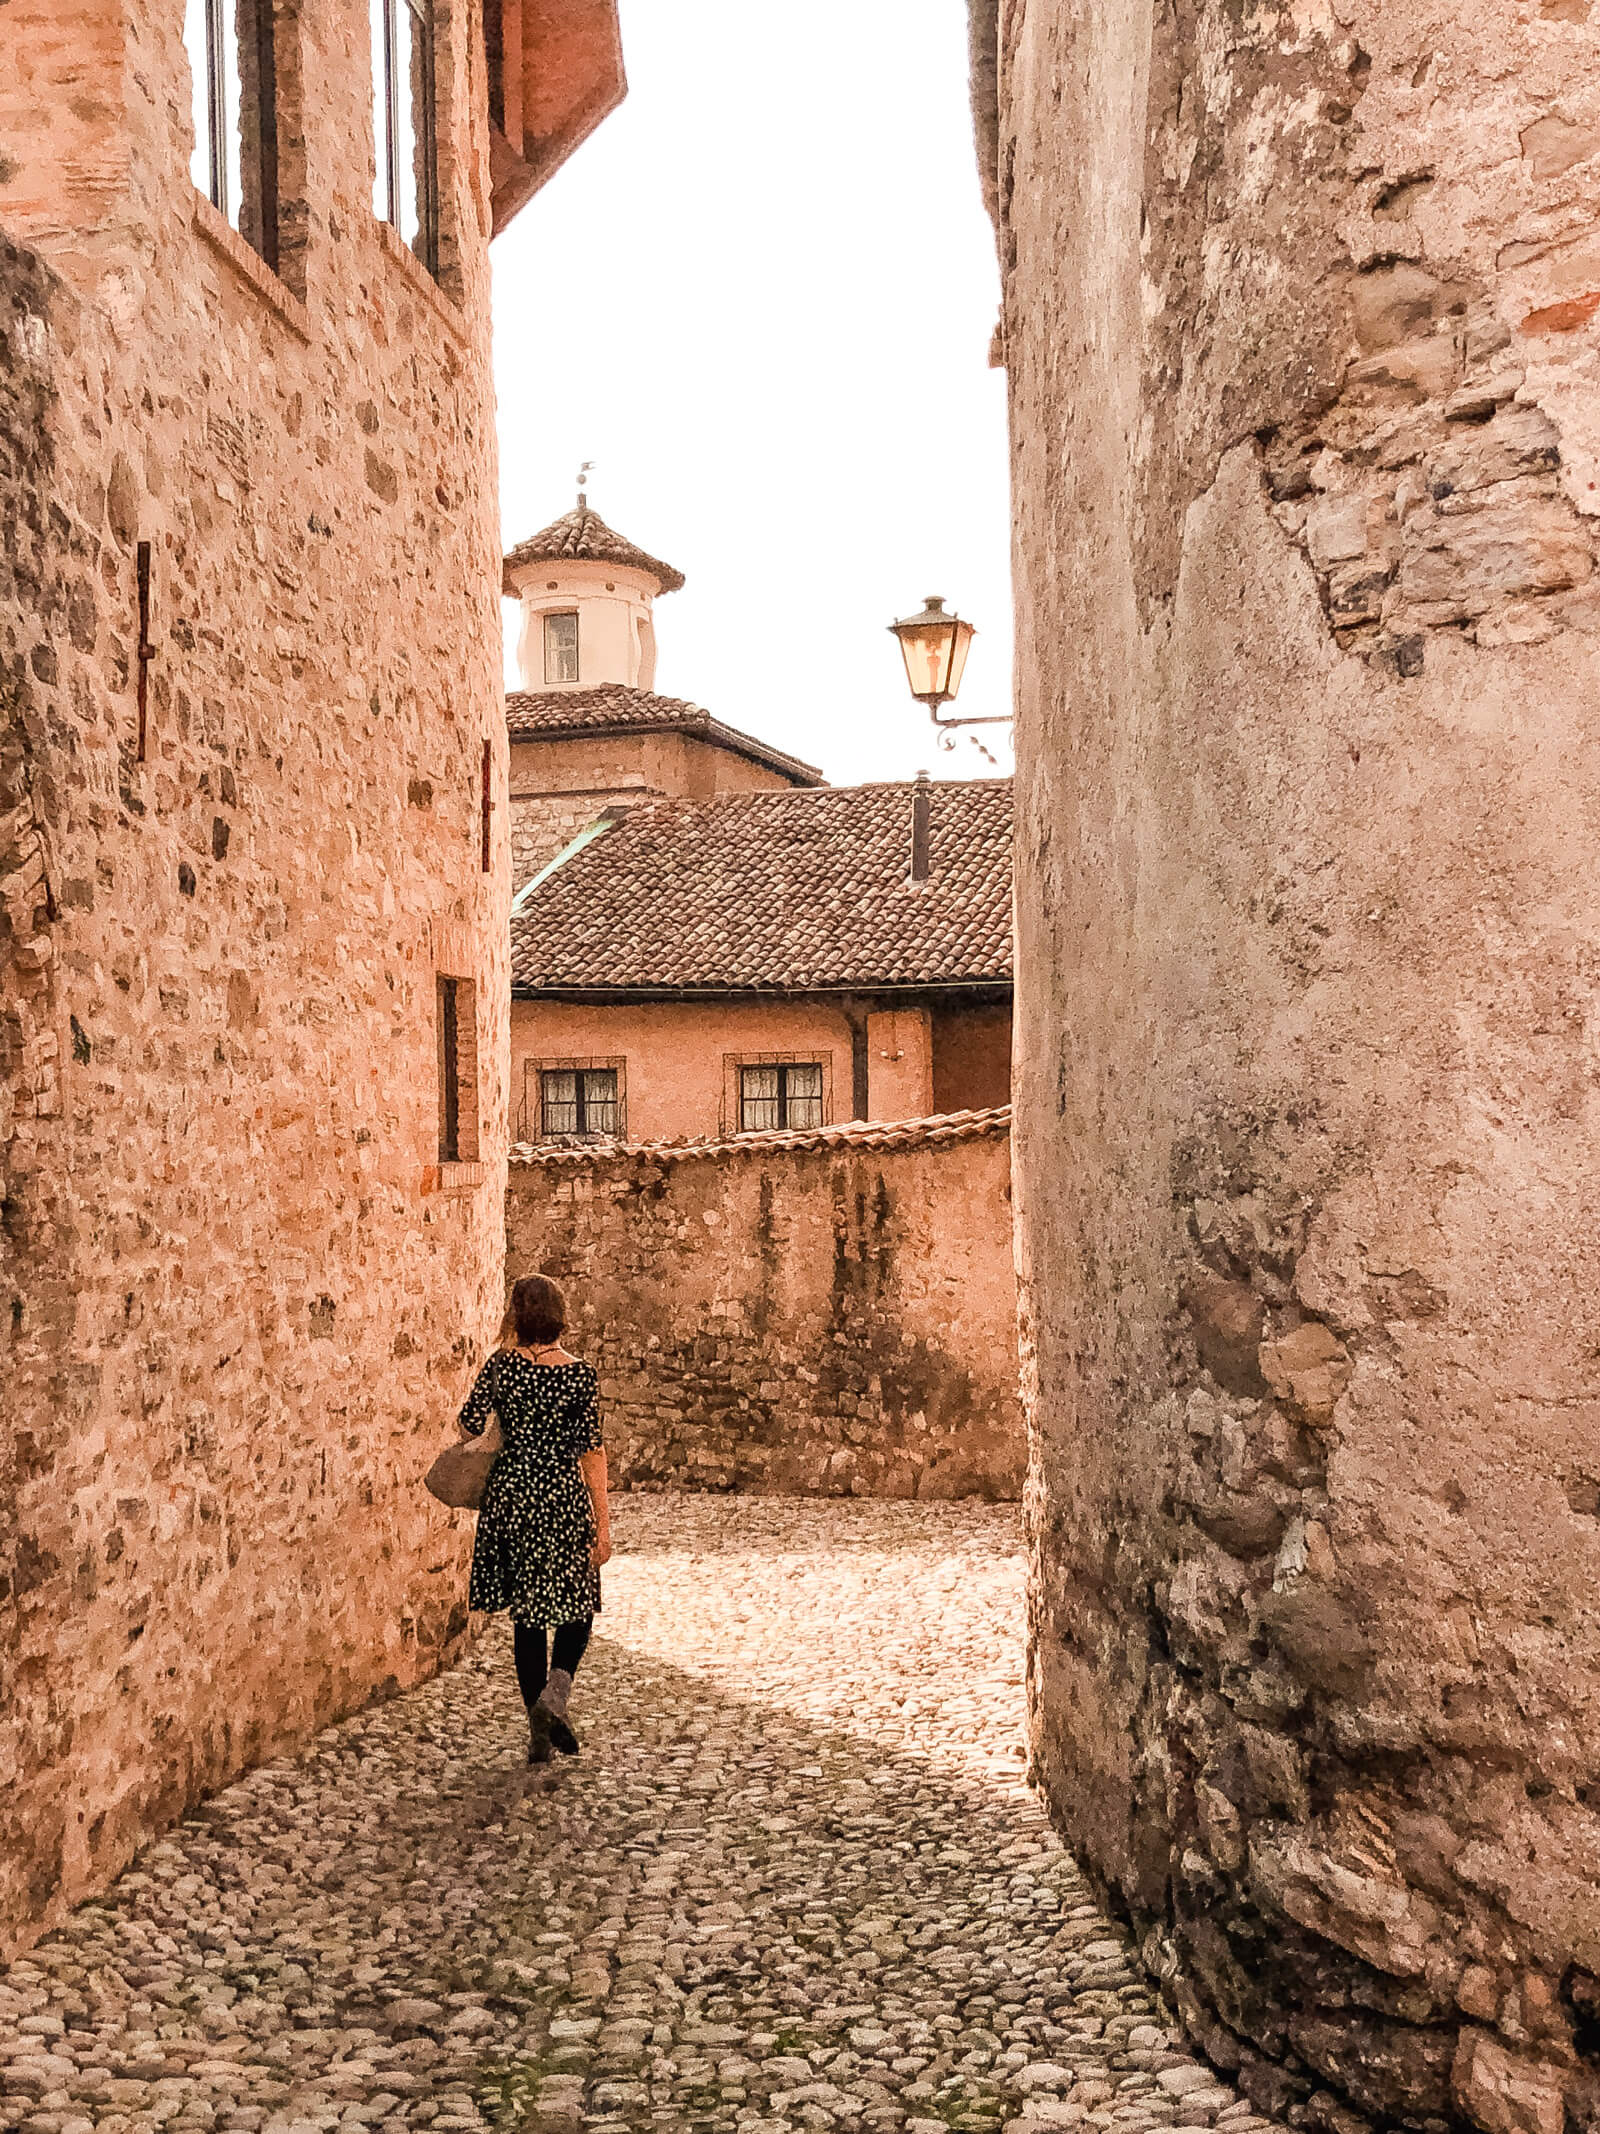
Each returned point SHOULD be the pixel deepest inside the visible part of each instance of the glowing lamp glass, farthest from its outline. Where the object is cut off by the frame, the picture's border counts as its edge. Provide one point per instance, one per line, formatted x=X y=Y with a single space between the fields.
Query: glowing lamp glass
x=934 y=648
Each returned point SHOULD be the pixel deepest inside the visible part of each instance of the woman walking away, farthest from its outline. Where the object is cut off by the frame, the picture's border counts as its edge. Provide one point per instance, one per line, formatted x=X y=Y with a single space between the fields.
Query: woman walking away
x=544 y=1527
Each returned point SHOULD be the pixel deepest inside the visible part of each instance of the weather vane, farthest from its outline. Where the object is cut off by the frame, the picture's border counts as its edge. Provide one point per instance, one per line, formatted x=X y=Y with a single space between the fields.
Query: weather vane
x=583 y=478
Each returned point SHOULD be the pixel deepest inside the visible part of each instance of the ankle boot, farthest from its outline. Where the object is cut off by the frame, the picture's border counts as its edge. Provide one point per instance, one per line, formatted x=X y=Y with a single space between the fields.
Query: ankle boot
x=539 y=1736
x=553 y=1704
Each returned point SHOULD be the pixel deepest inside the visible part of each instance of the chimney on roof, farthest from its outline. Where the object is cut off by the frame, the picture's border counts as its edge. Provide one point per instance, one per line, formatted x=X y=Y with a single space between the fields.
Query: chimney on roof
x=921 y=816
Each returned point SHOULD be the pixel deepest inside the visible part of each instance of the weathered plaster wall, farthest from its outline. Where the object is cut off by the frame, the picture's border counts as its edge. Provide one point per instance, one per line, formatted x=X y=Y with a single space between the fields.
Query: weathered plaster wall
x=971 y=1058
x=236 y=1303
x=1302 y=321
x=613 y=604
x=832 y=1315
x=899 y=1063
x=679 y=1057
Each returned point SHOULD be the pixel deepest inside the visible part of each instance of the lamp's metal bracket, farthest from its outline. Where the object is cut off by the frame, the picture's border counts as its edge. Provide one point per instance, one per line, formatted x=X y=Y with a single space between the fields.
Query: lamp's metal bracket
x=996 y=718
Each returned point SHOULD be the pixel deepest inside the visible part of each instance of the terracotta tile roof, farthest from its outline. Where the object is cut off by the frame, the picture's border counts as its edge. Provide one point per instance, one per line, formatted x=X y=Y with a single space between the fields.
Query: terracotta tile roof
x=854 y=1134
x=612 y=707
x=801 y=891
x=585 y=535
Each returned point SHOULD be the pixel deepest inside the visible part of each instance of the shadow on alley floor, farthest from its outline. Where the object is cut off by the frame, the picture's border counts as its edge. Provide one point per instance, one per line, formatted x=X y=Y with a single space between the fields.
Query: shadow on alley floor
x=795 y=1880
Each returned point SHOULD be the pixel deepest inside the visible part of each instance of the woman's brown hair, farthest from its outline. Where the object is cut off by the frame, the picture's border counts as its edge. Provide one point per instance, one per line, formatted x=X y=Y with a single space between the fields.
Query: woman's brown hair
x=539 y=1311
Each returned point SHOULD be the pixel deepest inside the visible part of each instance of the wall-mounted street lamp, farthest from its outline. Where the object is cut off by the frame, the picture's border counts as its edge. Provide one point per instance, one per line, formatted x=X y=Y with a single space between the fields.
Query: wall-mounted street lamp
x=934 y=647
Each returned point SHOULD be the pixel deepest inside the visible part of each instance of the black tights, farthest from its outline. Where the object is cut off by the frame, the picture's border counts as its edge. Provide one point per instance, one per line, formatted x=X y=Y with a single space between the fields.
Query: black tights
x=533 y=1668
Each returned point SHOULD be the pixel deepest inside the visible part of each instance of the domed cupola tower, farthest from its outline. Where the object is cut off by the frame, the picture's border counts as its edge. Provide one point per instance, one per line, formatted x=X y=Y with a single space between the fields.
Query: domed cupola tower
x=587 y=596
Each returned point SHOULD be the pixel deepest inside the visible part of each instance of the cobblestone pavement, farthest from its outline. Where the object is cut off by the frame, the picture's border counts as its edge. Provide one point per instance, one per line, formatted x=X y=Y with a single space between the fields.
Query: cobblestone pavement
x=795 y=1880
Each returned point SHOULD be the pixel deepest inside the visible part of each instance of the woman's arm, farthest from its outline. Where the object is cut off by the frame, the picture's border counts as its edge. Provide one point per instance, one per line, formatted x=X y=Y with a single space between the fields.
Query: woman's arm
x=592 y=1466
x=474 y=1417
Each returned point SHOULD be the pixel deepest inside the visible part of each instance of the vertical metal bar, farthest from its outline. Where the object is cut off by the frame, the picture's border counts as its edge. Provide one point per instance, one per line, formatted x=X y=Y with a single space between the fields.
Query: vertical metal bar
x=146 y=651
x=217 y=105
x=391 y=115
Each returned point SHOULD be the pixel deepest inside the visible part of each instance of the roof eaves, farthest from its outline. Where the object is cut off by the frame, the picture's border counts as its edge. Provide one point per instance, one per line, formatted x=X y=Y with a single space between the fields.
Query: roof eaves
x=740 y=744
x=692 y=721
x=996 y=984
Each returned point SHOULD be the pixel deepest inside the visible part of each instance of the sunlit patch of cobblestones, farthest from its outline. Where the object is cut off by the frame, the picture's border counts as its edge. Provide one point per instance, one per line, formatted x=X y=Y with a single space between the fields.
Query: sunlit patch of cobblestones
x=795 y=1881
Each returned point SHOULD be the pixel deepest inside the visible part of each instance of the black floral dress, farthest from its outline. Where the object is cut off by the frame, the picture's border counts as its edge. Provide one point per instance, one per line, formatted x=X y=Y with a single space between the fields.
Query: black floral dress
x=536 y=1524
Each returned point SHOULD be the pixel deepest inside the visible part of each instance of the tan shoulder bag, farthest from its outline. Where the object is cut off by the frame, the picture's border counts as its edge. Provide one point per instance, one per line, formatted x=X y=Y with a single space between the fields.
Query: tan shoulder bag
x=459 y=1476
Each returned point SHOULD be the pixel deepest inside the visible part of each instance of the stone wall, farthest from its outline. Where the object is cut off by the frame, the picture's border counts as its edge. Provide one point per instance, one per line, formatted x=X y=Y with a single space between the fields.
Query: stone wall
x=562 y=783
x=1300 y=319
x=831 y=1313
x=543 y=824
x=241 y=1294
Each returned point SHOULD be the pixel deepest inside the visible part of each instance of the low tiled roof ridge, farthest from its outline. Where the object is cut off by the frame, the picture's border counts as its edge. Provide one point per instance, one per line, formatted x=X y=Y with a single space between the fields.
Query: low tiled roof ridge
x=546 y=705
x=937 y=1129
x=583 y=535
x=619 y=707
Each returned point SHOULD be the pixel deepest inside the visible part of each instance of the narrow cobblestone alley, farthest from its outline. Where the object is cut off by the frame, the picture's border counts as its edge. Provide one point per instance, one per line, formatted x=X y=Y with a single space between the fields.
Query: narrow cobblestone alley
x=795 y=1880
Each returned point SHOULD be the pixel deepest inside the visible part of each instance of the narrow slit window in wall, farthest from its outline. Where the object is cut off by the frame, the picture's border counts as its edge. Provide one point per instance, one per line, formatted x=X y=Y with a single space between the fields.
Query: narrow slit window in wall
x=561 y=648
x=494 y=56
x=233 y=66
x=405 y=190
x=487 y=802
x=458 y=1070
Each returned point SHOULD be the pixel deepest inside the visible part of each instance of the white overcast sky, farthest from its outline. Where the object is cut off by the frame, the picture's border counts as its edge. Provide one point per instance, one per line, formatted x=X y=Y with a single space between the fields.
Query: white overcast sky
x=760 y=298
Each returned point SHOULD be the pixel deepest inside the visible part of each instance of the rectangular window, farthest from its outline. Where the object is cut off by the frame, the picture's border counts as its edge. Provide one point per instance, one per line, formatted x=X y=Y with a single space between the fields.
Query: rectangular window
x=233 y=65
x=579 y=1100
x=782 y=1096
x=458 y=1070
x=405 y=190
x=561 y=648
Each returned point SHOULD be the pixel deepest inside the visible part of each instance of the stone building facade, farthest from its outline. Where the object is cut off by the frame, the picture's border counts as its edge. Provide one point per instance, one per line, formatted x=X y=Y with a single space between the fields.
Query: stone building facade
x=768 y=959
x=749 y=916
x=589 y=734
x=828 y=1313
x=254 y=874
x=1302 y=324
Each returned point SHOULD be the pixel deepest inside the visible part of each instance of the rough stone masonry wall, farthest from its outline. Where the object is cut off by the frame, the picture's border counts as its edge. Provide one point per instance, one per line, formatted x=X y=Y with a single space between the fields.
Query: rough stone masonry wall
x=233 y=1318
x=831 y=1314
x=546 y=823
x=1302 y=321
